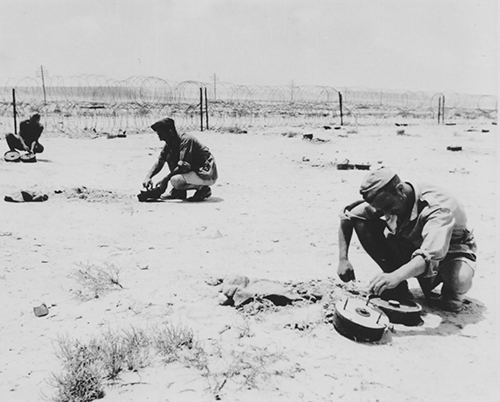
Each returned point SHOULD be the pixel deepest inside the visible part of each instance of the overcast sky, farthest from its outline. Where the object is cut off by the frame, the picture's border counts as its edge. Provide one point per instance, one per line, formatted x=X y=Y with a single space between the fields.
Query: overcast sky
x=395 y=44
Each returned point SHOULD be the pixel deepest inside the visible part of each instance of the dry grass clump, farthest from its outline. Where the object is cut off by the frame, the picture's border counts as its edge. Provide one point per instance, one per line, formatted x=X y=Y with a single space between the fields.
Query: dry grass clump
x=88 y=367
x=82 y=379
x=95 y=281
x=170 y=340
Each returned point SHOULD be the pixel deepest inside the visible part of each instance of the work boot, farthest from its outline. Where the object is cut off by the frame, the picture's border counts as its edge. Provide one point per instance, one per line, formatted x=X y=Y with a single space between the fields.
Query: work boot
x=401 y=293
x=176 y=195
x=201 y=194
x=454 y=305
x=448 y=301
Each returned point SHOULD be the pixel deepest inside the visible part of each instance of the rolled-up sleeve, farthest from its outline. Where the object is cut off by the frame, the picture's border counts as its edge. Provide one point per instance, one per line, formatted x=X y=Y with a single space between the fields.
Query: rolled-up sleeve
x=359 y=210
x=436 y=236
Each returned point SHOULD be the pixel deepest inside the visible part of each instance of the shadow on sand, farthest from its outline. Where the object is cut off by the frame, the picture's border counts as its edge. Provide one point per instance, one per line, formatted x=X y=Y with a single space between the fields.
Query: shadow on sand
x=183 y=202
x=443 y=323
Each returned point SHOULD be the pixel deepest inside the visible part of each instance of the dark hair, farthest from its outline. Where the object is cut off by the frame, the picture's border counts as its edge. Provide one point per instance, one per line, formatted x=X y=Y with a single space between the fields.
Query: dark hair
x=36 y=116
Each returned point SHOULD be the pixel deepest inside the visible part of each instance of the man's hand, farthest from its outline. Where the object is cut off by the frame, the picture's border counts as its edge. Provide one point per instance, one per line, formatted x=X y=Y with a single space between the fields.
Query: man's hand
x=383 y=282
x=345 y=271
x=147 y=184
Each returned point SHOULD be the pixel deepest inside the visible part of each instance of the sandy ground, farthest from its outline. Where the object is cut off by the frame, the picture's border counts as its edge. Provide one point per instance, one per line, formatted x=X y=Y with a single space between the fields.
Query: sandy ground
x=273 y=214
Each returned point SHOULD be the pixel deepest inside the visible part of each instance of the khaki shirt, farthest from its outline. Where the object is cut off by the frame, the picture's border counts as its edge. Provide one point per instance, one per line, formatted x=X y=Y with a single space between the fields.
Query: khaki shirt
x=437 y=226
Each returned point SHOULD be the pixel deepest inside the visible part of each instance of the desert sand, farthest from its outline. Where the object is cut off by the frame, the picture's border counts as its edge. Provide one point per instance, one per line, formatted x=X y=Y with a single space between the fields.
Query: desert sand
x=273 y=215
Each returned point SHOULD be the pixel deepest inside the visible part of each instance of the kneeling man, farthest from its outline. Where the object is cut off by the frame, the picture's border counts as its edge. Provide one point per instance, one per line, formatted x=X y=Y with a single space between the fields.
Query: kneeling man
x=191 y=165
x=410 y=230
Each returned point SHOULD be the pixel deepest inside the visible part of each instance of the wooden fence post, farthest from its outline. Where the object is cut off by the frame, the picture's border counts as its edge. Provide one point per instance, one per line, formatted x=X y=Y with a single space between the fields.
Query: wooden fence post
x=14 y=109
x=43 y=86
x=439 y=109
x=442 y=111
x=341 y=111
x=206 y=109
x=201 y=109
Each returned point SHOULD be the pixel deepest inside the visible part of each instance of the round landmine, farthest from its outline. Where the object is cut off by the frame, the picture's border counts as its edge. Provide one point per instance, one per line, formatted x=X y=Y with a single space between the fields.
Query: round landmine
x=28 y=158
x=399 y=312
x=359 y=321
x=12 y=156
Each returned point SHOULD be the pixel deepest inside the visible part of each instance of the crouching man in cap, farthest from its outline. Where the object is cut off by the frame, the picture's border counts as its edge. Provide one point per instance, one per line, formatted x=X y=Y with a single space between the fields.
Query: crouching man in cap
x=191 y=165
x=410 y=230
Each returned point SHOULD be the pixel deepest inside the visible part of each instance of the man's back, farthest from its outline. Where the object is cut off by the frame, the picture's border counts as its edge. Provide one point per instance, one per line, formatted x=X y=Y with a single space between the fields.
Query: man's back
x=30 y=131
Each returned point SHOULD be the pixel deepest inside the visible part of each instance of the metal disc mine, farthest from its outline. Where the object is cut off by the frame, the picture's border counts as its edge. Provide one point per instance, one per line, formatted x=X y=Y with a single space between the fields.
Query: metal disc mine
x=12 y=156
x=357 y=320
x=399 y=312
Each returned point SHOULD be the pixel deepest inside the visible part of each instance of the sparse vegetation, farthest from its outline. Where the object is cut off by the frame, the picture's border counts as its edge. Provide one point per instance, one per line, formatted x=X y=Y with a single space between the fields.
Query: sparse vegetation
x=89 y=366
x=95 y=281
x=82 y=379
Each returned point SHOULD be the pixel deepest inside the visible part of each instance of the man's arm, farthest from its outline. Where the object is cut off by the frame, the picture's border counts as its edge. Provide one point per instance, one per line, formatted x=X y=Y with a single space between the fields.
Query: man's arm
x=345 y=269
x=157 y=167
x=436 y=235
x=413 y=268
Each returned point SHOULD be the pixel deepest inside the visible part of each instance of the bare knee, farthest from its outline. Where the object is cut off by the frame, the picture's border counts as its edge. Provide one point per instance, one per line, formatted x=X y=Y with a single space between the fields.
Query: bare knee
x=459 y=279
x=178 y=182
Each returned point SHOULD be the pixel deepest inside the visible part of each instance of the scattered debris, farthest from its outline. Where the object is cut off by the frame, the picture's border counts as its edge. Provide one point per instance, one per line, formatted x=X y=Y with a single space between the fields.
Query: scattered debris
x=236 y=130
x=401 y=124
x=120 y=134
x=327 y=127
x=26 y=196
x=41 y=310
x=362 y=166
x=337 y=127
x=320 y=140
x=454 y=148
x=91 y=195
x=485 y=130
x=400 y=132
x=239 y=291
x=307 y=137
x=346 y=165
x=460 y=170
x=451 y=124
x=214 y=281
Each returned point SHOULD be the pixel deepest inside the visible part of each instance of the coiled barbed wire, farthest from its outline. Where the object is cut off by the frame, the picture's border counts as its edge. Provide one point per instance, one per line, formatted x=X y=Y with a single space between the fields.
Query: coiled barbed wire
x=95 y=104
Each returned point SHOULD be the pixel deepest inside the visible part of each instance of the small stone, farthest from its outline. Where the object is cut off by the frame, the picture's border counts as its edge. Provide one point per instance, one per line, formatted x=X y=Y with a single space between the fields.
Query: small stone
x=41 y=311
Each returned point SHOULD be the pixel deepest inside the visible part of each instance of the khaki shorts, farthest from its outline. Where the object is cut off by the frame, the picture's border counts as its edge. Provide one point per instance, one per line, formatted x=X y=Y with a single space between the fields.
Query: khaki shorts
x=193 y=179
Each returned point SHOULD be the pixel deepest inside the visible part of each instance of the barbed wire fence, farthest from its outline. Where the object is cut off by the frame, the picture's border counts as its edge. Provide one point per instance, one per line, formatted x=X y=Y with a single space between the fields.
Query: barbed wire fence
x=95 y=105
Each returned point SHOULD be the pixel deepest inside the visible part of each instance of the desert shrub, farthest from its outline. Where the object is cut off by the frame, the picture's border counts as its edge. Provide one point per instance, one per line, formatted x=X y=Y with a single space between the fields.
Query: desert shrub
x=169 y=340
x=136 y=345
x=82 y=379
x=96 y=281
